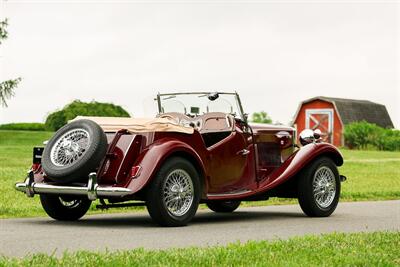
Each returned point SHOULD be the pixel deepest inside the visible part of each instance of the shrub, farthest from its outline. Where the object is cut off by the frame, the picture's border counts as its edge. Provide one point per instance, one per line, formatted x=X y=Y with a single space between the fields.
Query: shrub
x=261 y=117
x=57 y=119
x=23 y=126
x=391 y=140
x=362 y=134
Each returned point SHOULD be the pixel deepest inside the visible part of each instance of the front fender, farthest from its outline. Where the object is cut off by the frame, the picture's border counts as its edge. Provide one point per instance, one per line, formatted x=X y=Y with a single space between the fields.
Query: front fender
x=152 y=158
x=300 y=159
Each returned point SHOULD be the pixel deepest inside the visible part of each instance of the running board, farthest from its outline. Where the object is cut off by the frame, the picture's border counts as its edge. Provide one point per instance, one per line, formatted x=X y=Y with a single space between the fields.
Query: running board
x=92 y=191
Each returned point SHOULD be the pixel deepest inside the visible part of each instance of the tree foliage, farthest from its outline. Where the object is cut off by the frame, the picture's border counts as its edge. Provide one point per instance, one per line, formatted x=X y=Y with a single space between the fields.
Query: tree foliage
x=7 y=90
x=3 y=30
x=6 y=87
x=362 y=135
x=261 y=117
x=57 y=119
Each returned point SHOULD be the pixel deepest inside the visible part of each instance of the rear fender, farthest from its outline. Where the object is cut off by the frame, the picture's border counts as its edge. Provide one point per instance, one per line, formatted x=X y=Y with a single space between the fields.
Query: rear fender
x=154 y=156
x=300 y=159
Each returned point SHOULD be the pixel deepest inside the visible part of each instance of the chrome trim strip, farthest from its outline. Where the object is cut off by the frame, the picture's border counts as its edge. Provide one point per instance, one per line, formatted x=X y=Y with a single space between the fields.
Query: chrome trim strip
x=92 y=191
x=236 y=193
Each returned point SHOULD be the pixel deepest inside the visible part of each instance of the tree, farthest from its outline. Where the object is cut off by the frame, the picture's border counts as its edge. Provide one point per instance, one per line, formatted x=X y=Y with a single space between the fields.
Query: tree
x=57 y=119
x=6 y=87
x=261 y=117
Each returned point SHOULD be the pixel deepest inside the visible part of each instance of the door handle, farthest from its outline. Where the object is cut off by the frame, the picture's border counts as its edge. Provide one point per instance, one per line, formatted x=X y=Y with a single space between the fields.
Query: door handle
x=243 y=152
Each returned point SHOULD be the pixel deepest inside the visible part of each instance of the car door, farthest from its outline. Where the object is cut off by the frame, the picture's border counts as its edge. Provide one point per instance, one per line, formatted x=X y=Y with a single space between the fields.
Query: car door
x=232 y=163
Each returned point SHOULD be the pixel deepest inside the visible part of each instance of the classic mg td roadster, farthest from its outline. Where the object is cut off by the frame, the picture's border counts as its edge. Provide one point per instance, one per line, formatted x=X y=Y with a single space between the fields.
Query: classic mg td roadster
x=199 y=149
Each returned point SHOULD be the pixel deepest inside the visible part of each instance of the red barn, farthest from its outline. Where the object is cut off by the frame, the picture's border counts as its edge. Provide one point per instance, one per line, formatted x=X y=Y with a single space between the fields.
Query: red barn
x=331 y=114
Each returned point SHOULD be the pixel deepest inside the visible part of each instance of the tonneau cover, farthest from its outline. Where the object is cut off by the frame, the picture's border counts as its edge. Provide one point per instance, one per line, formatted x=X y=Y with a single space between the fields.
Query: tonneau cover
x=137 y=125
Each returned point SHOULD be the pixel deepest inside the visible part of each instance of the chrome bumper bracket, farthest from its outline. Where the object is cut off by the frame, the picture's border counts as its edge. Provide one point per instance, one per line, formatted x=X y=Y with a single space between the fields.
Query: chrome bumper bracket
x=28 y=184
x=93 y=191
x=92 y=186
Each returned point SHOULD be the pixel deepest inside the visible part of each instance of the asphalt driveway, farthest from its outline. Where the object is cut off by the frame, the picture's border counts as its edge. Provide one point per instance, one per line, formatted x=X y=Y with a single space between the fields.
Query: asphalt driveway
x=127 y=231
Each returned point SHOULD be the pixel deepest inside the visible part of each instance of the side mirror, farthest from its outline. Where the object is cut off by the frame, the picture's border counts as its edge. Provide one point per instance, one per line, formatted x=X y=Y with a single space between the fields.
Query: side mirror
x=212 y=96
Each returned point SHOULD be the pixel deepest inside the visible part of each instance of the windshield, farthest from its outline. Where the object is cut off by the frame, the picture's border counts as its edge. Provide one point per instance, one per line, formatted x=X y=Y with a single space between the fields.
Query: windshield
x=195 y=104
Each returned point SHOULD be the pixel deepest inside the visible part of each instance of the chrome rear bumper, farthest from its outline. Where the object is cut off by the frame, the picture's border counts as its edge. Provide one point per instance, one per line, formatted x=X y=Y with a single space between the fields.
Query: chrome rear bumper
x=92 y=191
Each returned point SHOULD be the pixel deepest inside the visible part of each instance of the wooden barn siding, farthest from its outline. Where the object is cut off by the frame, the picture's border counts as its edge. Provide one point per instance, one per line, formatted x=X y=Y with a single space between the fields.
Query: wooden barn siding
x=300 y=121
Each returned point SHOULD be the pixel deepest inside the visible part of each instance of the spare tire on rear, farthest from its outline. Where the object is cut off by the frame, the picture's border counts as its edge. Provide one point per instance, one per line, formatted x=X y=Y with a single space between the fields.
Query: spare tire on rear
x=74 y=151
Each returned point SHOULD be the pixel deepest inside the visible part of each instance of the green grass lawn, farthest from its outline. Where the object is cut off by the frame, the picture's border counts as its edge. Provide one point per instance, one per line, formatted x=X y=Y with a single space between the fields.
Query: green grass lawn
x=361 y=249
x=372 y=175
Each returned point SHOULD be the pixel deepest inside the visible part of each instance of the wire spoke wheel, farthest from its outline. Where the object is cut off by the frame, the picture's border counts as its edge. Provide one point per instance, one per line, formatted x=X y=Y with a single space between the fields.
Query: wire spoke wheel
x=173 y=196
x=324 y=187
x=75 y=150
x=65 y=208
x=318 y=188
x=178 y=192
x=70 y=147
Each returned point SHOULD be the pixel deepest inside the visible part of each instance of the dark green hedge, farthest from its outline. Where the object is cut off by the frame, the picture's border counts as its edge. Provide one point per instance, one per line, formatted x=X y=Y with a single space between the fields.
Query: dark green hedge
x=23 y=126
x=57 y=119
x=362 y=135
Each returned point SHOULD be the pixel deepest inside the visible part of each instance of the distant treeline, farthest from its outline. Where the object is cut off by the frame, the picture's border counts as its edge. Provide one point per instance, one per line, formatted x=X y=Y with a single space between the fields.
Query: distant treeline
x=23 y=126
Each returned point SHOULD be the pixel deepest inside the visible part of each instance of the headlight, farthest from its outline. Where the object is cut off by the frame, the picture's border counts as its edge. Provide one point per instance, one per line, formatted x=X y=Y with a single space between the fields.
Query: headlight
x=306 y=137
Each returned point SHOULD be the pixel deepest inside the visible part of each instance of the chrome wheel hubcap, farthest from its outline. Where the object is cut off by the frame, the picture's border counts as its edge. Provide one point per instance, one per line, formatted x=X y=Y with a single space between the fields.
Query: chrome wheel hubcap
x=324 y=187
x=178 y=192
x=70 y=147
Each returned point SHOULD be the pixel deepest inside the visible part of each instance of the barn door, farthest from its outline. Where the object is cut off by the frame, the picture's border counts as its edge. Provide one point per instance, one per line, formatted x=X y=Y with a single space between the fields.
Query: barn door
x=321 y=119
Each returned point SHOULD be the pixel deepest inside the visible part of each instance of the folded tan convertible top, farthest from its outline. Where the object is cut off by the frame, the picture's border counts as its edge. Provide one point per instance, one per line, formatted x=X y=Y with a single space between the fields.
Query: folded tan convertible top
x=135 y=125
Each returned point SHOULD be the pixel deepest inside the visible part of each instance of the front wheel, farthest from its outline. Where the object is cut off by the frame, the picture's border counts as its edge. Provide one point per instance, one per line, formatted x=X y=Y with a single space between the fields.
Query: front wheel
x=65 y=208
x=319 y=188
x=174 y=194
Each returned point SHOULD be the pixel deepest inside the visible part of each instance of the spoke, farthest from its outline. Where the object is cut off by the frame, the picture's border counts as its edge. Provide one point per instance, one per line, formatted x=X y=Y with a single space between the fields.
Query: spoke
x=324 y=187
x=70 y=147
x=178 y=192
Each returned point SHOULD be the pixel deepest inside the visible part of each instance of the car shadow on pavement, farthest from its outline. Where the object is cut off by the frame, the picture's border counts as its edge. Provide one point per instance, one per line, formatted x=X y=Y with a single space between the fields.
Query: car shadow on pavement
x=212 y=217
x=144 y=221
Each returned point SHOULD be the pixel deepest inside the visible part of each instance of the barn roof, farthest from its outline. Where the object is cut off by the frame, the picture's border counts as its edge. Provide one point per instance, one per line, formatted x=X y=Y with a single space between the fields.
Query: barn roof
x=352 y=110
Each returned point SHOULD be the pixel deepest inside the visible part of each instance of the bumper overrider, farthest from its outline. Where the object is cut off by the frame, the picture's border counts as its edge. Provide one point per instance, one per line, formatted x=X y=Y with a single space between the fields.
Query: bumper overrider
x=93 y=191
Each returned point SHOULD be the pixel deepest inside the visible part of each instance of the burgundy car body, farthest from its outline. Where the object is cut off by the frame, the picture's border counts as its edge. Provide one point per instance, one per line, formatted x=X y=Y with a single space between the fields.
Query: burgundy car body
x=253 y=162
